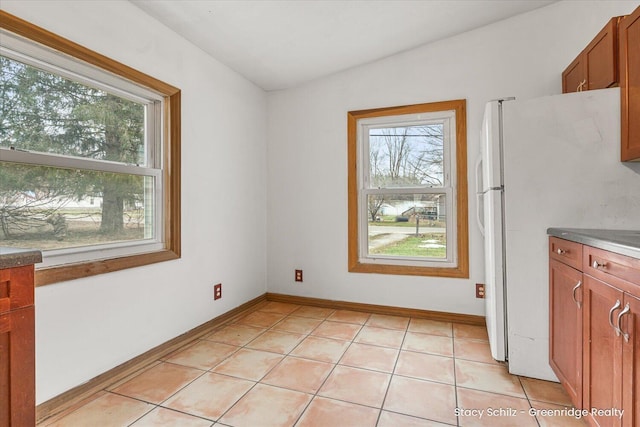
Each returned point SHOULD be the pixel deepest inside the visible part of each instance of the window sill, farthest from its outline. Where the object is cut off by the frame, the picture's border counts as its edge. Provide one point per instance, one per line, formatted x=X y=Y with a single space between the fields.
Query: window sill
x=460 y=272
x=50 y=275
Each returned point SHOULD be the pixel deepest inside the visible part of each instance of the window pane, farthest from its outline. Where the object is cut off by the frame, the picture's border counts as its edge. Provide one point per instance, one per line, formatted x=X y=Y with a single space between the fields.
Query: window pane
x=48 y=113
x=409 y=225
x=50 y=208
x=407 y=156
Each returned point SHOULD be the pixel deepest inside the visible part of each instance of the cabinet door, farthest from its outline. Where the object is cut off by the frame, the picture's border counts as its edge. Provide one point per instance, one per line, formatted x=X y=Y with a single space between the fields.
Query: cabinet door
x=573 y=78
x=565 y=328
x=630 y=324
x=630 y=85
x=602 y=366
x=601 y=56
x=17 y=368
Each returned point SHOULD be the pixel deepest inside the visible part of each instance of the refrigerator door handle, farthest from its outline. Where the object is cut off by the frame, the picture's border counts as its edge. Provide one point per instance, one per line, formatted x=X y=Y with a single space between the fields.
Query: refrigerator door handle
x=479 y=183
x=479 y=202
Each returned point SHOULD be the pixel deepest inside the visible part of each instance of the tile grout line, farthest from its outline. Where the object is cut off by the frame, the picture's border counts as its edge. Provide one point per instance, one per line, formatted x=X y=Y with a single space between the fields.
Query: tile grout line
x=209 y=371
x=244 y=346
x=335 y=365
x=140 y=372
x=455 y=376
x=307 y=335
x=393 y=372
x=526 y=395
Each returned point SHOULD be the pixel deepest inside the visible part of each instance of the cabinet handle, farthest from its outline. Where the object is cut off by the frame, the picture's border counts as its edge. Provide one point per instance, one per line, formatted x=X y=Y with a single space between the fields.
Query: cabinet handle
x=626 y=310
x=580 y=87
x=614 y=308
x=596 y=264
x=573 y=293
x=561 y=251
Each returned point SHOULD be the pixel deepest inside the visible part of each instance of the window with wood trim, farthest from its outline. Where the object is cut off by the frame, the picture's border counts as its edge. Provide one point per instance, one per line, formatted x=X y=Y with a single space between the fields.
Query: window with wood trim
x=408 y=190
x=89 y=157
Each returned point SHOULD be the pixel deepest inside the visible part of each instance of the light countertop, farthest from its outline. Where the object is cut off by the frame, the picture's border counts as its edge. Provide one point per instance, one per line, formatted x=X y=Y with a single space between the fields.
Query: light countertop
x=623 y=242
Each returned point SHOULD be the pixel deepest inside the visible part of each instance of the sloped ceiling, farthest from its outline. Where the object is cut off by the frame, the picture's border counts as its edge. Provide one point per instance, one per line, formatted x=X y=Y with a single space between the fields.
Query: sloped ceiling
x=281 y=44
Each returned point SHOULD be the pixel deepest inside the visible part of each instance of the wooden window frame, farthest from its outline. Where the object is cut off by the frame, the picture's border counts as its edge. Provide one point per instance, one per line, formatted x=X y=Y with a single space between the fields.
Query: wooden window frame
x=461 y=270
x=170 y=148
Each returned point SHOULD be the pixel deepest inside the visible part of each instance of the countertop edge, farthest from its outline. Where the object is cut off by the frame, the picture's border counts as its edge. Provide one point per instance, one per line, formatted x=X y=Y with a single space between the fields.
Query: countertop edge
x=597 y=239
x=12 y=257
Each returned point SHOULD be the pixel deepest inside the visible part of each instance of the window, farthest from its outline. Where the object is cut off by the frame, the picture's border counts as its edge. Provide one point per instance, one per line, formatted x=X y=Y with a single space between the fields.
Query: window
x=408 y=190
x=89 y=157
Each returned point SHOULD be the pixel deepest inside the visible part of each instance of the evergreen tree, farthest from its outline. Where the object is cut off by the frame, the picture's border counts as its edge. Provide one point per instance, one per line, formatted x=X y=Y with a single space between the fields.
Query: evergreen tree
x=45 y=112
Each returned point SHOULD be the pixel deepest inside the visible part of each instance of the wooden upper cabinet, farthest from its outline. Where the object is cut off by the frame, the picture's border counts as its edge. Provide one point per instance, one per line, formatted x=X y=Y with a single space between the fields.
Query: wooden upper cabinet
x=597 y=65
x=573 y=78
x=629 y=35
x=601 y=57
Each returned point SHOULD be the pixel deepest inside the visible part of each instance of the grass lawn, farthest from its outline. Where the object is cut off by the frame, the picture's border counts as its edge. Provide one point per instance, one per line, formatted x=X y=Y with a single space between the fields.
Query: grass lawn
x=414 y=246
x=83 y=229
x=391 y=222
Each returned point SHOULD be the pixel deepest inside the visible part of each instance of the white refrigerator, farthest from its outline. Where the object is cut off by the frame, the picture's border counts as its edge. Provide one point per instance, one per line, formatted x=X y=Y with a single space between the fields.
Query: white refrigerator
x=545 y=162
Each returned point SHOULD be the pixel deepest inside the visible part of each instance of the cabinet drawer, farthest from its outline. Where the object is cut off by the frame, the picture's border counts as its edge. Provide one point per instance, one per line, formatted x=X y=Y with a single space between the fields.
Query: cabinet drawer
x=611 y=267
x=16 y=288
x=566 y=252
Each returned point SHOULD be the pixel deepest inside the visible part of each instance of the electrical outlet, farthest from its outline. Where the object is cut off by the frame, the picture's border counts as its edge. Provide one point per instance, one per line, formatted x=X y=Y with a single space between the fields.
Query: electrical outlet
x=298 y=275
x=479 y=290
x=217 y=291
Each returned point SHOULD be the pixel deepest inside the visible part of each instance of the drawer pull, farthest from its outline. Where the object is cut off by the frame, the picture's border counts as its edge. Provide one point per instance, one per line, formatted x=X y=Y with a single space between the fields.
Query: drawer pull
x=573 y=293
x=561 y=251
x=626 y=310
x=596 y=264
x=614 y=308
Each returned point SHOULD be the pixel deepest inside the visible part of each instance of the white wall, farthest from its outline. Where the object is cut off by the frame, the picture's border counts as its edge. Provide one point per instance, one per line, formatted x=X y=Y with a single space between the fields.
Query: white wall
x=307 y=153
x=87 y=326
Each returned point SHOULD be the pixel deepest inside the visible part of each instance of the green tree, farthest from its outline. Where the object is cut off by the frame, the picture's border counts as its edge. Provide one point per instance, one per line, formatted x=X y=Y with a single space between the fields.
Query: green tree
x=399 y=157
x=45 y=112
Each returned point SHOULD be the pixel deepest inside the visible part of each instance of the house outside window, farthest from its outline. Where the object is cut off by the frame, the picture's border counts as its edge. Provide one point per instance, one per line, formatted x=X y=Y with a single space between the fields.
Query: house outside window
x=89 y=157
x=407 y=190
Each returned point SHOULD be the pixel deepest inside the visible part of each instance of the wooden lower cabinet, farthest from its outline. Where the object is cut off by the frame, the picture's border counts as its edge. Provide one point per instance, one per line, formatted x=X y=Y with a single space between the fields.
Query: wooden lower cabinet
x=602 y=358
x=594 y=336
x=17 y=347
x=565 y=327
x=630 y=324
x=17 y=375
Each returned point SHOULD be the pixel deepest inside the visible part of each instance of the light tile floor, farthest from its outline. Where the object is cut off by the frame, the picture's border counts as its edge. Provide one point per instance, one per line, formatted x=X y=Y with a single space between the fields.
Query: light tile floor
x=286 y=365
